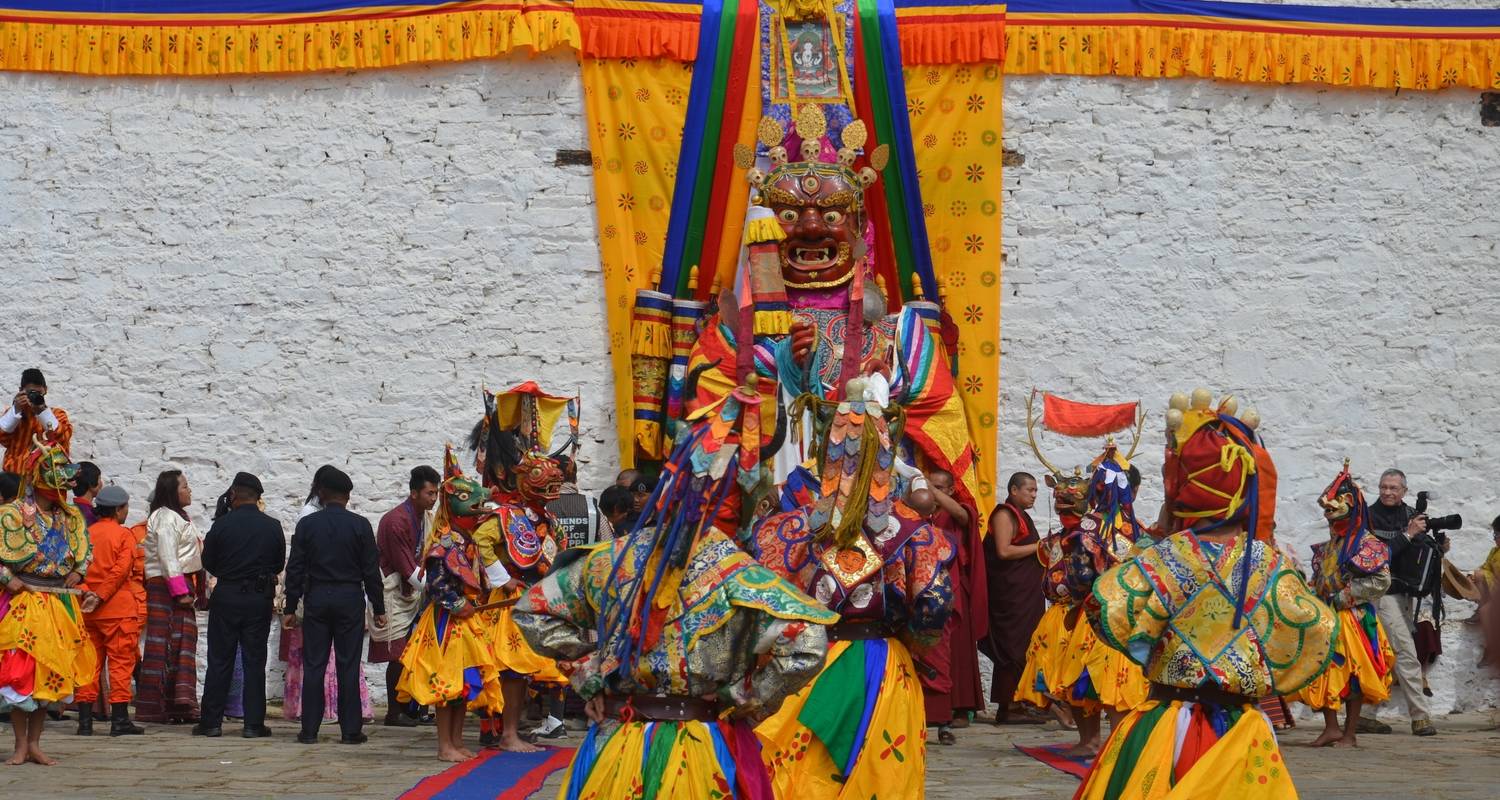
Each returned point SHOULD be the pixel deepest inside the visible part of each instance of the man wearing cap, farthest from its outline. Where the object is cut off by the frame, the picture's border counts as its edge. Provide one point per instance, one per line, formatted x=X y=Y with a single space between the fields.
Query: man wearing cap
x=115 y=626
x=27 y=416
x=244 y=551
x=333 y=557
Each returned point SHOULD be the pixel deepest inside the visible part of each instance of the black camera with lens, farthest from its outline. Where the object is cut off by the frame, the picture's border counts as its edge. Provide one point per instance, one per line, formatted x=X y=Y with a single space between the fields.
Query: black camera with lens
x=37 y=400
x=1451 y=522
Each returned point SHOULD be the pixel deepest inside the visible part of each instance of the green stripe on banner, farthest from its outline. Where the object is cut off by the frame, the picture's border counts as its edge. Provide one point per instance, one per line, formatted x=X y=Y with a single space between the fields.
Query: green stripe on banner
x=658 y=758
x=1132 y=747
x=880 y=113
x=713 y=128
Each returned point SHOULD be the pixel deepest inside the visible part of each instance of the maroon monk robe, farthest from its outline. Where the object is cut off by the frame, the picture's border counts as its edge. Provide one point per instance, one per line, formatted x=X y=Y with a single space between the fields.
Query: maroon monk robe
x=950 y=670
x=1015 y=608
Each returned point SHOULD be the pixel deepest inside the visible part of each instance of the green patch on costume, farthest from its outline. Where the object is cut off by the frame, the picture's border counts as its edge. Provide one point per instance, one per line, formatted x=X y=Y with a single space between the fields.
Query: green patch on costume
x=837 y=702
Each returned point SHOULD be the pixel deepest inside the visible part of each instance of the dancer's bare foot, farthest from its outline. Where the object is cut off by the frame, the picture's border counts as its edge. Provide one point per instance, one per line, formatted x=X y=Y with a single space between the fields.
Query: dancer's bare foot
x=452 y=755
x=18 y=758
x=1083 y=749
x=36 y=756
x=468 y=754
x=1327 y=737
x=1346 y=741
x=512 y=743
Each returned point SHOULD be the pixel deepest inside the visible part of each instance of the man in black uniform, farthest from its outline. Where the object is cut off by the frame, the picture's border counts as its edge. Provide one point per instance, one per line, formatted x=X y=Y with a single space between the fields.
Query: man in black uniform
x=333 y=556
x=244 y=550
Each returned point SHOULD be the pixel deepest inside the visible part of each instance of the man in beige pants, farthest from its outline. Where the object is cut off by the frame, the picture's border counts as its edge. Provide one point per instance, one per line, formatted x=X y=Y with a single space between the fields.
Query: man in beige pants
x=1396 y=523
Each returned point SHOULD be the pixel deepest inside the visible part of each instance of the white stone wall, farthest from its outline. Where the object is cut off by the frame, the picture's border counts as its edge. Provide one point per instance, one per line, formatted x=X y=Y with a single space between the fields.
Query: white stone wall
x=1327 y=256
x=274 y=273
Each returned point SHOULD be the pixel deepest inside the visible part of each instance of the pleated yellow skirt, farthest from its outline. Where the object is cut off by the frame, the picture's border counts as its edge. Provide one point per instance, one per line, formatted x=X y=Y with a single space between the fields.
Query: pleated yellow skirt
x=1058 y=658
x=684 y=768
x=1354 y=661
x=448 y=659
x=1140 y=759
x=892 y=760
x=44 y=653
x=512 y=652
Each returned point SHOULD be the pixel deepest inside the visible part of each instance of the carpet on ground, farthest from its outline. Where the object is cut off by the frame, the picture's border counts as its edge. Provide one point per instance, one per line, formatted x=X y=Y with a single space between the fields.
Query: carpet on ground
x=1056 y=757
x=493 y=775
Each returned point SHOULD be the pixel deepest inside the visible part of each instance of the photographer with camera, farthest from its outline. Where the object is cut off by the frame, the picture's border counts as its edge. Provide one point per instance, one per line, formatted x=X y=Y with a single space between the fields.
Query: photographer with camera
x=29 y=415
x=1417 y=544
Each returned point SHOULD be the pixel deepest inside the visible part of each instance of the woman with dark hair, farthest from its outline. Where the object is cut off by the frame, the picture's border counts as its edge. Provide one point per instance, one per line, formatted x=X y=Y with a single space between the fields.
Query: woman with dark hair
x=168 y=687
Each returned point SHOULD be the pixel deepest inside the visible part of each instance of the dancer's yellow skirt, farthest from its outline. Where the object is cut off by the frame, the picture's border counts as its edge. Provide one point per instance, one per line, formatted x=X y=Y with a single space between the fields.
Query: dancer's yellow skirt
x=44 y=653
x=1059 y=655
x=1354 y=659
x=1047 y=641
x=1140 y=759
x=684 y=766
x=448 y=659
x=892 y=760
x=512 y=652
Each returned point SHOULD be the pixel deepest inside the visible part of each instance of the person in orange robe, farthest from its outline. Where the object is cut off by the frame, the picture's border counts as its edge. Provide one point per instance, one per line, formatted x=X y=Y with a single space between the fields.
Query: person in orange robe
x=115 y=626
x=27 y=416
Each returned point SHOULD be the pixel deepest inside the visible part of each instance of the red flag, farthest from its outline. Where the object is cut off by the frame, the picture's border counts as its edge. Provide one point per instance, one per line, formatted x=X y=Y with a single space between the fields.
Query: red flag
x=1072 y=418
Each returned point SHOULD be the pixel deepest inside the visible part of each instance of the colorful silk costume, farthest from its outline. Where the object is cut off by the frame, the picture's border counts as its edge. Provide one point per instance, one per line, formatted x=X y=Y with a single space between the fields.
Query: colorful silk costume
x=859 y=729
x=449 y=656
x=1065 y=661
x=1351 y=571
x=519 y=540
x=808 y=268
x=45 y=655
x=666 y=616
x=1215 y=623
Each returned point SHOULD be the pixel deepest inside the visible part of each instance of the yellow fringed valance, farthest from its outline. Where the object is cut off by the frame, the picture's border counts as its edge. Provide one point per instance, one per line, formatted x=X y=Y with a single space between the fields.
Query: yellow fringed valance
x=763 y=229
x=272 y=47
x=1251 y=56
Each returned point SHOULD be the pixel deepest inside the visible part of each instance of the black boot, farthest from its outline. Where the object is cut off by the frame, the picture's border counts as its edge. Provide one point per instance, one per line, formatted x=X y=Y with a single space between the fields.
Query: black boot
x=119 y=722
x=85 y=723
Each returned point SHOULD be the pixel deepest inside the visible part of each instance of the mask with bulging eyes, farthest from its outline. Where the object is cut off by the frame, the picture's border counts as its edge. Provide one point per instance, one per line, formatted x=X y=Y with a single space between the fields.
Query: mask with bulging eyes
x=818 y=207
x=539 y=478
x=53 y=470
x=465 y=497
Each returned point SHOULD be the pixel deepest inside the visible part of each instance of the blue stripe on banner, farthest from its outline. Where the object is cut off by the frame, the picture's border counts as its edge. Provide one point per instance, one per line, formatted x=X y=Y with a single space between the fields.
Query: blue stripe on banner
x=657 y=303
x=722 y=755
x=692 y=146
x=906 y=157
x=1397 y=17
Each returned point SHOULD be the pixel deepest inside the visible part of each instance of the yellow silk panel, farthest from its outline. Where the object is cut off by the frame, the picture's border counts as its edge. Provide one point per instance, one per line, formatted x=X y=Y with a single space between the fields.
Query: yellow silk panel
x=956 y=121
x=635 y=110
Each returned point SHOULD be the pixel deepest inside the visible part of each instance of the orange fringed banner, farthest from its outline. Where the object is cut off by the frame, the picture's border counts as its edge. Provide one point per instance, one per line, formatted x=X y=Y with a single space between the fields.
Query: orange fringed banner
x=634 y=29
x=178 y=42
x=942 y=33
x=1073 y=418
x=1254 y=43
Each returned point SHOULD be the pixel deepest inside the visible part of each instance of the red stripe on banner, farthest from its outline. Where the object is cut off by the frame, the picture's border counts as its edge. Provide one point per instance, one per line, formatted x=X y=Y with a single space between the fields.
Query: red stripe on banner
x=537 y=776
x=1072 y=418
x=745 y=32
x=875 y=205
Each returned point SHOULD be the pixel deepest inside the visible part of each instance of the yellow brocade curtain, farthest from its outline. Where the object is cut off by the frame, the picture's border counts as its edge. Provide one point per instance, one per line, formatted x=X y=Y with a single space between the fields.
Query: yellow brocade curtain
x=1048 y=44
x=167 y=43
x=635 y=110
x=956 y=122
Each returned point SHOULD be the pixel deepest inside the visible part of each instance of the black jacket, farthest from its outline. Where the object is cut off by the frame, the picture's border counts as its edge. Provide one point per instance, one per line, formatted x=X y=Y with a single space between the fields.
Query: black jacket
x=332 y=547
x=245 y=545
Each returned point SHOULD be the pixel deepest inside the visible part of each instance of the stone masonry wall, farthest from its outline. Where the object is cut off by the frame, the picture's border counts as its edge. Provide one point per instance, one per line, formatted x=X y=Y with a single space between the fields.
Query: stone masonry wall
x=273 y=273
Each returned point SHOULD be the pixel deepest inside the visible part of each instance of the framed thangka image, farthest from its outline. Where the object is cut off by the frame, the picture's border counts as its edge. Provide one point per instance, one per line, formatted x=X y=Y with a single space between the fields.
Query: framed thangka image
x=808 y=61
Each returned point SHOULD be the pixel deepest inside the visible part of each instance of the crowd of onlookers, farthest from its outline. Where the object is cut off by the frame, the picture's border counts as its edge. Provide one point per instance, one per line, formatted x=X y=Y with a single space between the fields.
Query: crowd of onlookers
x=158 y=577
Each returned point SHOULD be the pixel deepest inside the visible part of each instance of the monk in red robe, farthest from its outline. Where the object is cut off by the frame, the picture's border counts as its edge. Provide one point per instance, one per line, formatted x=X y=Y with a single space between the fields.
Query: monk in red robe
x=950 y=670
x=1015 y=603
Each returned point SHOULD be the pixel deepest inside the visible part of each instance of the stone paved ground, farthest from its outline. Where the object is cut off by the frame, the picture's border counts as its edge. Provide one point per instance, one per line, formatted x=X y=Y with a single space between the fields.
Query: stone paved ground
x=1462 y=763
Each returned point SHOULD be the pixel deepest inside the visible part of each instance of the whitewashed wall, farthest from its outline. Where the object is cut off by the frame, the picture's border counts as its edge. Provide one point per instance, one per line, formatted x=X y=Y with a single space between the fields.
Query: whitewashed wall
x=271 y=274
